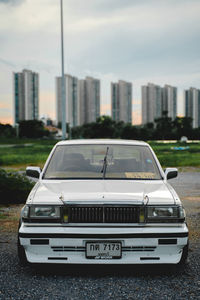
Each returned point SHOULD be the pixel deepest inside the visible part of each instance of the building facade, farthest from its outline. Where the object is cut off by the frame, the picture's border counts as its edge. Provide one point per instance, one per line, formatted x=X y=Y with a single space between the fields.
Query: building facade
x=89 y=94
x=192 y=106
x=151 y=103
x=26 y=96
x=170 y=101
x=72 y=100
x=156 y=100
x=82 y=100
x=121 y=101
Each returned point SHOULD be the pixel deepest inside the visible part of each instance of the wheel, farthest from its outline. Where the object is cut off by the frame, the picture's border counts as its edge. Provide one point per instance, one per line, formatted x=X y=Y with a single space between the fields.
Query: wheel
x=184 y=255
x=21 y=252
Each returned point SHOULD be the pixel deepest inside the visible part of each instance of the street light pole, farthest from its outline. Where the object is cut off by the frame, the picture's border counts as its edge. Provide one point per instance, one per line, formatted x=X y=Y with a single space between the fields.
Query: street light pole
x=63 y=88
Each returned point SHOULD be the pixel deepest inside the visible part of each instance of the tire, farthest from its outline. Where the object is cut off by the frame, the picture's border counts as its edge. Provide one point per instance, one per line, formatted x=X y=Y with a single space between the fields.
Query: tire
x=184 y=255
x=20 y=251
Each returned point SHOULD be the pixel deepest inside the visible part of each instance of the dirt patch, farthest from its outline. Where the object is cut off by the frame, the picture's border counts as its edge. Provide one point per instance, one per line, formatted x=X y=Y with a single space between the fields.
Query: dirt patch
x=194 y=234
x=189 y=169
x=9 y=218
x=191 y=198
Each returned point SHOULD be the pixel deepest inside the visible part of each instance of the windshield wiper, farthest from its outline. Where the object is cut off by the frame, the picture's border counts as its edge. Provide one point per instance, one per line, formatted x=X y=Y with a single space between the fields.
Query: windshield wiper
x=105 y=163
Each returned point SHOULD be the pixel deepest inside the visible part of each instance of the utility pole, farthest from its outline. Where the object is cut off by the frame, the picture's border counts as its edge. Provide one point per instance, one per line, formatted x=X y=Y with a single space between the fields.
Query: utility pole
x=63 y=87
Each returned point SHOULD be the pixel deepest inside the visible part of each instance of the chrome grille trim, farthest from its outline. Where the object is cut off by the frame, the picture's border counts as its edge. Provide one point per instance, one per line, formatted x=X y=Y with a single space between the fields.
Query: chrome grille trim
x=124 y=249
x=139 y=248
x=67 y=249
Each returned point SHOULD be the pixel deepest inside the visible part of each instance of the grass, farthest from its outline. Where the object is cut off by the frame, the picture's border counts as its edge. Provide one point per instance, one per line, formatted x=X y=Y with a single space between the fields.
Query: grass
x=177 y=158
x=16 y=154
x=20 y=154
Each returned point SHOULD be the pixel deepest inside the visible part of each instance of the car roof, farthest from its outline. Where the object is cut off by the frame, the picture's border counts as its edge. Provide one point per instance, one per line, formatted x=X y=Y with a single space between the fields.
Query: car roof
x=102 y=142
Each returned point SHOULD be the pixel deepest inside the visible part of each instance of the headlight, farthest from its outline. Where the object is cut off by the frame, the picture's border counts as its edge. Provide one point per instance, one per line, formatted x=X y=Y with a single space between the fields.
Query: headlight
x=41 y=213
x=159 y=212
x=25 y=211
x=181 y=212
x=164 y=213
x=44 y=212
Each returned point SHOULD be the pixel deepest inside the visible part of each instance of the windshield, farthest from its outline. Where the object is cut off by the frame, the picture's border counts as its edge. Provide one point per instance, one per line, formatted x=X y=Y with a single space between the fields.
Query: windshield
x=88 y=161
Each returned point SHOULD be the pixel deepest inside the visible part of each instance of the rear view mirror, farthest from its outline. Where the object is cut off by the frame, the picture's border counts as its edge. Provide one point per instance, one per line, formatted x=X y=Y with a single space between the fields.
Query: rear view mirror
x=33 y=172
x=171 y=173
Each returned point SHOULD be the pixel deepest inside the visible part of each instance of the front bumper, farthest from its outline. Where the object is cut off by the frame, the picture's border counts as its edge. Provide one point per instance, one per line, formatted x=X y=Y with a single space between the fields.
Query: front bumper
x=140 y=245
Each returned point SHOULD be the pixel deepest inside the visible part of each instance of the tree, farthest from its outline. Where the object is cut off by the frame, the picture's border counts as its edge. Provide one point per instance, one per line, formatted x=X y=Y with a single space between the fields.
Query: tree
x=6 y=130
x=183 y=127
x=32 y=129
x=130 y=132
x=163 y=127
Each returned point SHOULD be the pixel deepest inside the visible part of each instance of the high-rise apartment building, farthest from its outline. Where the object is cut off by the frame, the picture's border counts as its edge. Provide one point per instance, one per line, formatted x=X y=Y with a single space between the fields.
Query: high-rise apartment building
x=82 y=100
x=121 y=101
x=151 y=103
x=115 y=101
x=72 y=100
x=156 y=100
x=26 y=96
x=170 y=101
x=192 y=106
x=89 y=94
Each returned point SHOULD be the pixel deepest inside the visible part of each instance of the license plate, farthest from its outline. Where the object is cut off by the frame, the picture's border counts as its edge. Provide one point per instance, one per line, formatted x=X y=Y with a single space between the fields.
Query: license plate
x=103 y=250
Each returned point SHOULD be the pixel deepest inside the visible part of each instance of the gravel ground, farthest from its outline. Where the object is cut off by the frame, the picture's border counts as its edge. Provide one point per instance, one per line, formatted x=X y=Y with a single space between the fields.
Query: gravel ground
x=101 y=282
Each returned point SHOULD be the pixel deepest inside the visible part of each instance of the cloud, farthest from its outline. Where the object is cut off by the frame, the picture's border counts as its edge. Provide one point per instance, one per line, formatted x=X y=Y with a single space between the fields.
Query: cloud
x=12 y=2
x=133 y=40
x=7 y=63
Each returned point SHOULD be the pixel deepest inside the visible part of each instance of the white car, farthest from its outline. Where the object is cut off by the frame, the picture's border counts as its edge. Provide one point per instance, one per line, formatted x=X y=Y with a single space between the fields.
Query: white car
x=102 y=202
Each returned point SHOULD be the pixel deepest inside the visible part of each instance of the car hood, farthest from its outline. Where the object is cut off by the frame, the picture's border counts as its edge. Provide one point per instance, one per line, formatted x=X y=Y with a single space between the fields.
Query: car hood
x=101 y=192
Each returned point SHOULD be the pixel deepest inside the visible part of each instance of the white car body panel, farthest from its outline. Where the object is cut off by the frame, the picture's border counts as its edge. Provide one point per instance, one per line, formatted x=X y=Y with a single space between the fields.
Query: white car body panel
x=49 y=191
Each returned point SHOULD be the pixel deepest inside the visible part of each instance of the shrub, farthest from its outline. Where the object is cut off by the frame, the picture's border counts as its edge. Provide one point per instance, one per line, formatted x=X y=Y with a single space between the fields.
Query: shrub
x=32 y=129
x=14 y=188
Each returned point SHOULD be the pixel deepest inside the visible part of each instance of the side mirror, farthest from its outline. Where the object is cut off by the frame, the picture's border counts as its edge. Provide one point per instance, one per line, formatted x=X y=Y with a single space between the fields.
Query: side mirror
x=33 y=172
x=171 y=173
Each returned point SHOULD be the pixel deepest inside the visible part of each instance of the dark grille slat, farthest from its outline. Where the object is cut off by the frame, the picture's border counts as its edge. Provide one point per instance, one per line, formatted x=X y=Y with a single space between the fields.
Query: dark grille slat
x=106 y=214
x=114 y=214
x=101 y=215
x=79 y=214
x=126 y=215
x=93 y=214
x=131 y=214
x=123 y=214
x=118 y=213
x=85 y=214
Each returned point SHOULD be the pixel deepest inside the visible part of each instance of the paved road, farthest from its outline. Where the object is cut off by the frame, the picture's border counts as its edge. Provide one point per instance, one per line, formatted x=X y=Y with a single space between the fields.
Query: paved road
x=99 y=282
x=187 y=184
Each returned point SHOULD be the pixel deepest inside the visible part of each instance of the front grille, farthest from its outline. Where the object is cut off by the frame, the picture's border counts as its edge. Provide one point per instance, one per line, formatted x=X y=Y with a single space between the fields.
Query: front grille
x=103 y=214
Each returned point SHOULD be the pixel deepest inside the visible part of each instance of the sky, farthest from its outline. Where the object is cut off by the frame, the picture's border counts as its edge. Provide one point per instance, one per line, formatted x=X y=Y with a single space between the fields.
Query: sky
x=139 y=41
